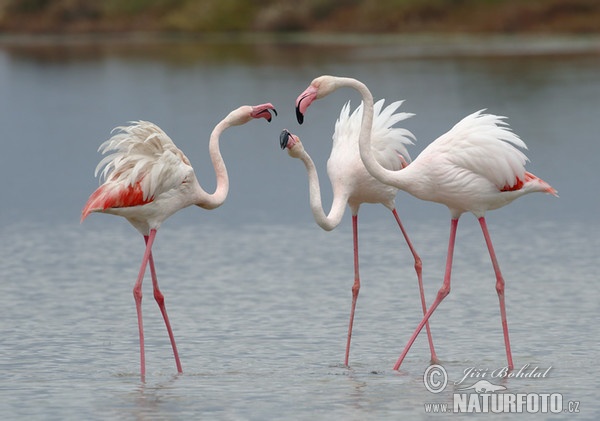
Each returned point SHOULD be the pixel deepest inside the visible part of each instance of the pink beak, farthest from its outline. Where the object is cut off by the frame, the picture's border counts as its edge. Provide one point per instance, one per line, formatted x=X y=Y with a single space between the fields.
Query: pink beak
x=263 y=111
x=304 y=100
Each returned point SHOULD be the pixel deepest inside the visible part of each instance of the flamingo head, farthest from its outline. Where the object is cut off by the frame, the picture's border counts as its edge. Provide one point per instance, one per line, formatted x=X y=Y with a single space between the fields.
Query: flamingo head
x=318 y=88
x=245 y=113
x=292 y=143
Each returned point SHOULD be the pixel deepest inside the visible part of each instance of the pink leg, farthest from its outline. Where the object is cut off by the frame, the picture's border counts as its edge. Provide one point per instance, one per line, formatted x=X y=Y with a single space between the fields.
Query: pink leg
x=137 y=295
x=355 y=287
x=419 y=270
x=160 y=299
x=499 y=289
x=442 y=293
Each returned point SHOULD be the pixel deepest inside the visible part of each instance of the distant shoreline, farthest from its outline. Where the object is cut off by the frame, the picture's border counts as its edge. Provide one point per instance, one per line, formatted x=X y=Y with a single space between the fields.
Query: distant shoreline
x=379 y=46
x=307 y=16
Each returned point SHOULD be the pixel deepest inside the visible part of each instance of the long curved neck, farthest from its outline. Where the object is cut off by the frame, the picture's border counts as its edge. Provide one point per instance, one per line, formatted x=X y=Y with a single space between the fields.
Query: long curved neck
x=393 y=178
x=216 y=199
x=332 y=220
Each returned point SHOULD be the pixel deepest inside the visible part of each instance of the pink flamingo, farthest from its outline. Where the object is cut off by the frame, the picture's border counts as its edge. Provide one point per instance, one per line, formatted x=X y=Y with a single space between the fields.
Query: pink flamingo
x=474 y=167
x=353 y=185
x=147 y=179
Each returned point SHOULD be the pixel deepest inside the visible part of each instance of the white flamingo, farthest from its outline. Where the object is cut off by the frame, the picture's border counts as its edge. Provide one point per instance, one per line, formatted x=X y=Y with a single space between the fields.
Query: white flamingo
x=475 y=167
x=147 y=179
x=353 y=185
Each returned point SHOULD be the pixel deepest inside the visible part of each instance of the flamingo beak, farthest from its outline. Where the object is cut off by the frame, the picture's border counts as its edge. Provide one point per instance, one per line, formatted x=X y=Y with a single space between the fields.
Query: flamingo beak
x=299 y=116
x=303 y=101
x=284 y=137
x=264 y=111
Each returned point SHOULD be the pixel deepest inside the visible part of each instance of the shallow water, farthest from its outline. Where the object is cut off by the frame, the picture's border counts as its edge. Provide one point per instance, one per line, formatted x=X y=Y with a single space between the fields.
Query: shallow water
x=257 y=294
x=260 y=317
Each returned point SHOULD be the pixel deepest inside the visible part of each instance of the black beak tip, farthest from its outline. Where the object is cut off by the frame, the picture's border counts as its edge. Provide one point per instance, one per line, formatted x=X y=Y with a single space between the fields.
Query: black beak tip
x=283 y=138
x=299 y=116
x=270 y=115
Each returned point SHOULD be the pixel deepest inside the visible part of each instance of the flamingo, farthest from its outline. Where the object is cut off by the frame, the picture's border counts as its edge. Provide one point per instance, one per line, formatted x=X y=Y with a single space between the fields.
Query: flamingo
x=476 y=166
x=353 y=185
x=147 y=179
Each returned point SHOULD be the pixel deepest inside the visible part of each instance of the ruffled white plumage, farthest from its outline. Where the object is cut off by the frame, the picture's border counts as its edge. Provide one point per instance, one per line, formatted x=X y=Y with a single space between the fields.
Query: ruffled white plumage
x=387 y=142
x=485 y=145
x=142 y=153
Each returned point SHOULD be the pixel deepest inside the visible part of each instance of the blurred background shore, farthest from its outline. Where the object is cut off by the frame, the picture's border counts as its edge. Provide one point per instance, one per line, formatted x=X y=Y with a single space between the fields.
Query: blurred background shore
x=321 y=16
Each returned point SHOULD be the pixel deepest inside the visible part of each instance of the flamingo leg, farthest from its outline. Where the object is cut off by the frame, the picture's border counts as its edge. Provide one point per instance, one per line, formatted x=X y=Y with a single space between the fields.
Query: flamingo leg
x=137 y=295
x=160 y=299
x=442 y=293
x=499 y=289
x=355 y=286
x=419 y=270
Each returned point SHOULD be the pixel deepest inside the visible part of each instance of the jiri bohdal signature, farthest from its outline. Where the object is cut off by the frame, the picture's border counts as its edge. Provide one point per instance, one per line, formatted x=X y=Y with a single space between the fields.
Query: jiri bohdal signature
x=527 y=371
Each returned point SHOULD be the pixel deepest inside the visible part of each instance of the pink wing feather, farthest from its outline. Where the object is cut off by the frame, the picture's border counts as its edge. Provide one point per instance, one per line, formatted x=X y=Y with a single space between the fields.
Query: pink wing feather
x=110 y=196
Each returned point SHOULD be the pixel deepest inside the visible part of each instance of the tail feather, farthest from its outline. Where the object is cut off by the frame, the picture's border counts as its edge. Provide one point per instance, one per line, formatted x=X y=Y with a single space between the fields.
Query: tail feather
x=541 y=184
x=94 y=203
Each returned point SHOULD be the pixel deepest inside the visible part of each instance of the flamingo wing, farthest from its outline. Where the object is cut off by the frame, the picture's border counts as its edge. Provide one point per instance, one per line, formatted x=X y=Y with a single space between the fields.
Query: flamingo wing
x=484 y=145
x=145 y=163
x=114 y=196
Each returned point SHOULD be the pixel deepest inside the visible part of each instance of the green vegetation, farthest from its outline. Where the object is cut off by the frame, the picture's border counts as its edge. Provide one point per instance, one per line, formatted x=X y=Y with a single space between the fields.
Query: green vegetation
x=358 y=16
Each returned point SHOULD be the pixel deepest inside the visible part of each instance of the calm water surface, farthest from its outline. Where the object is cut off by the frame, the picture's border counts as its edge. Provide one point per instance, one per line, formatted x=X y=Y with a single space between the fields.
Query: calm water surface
x=258 y=295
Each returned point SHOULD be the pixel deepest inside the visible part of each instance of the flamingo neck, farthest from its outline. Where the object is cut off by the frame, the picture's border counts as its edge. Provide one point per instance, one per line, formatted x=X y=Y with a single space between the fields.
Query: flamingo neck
x=393 y=178
x=332 y=220
x=216 y=199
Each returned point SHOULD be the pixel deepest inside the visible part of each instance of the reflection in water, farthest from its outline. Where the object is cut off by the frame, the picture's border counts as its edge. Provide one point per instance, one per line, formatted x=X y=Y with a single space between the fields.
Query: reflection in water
x=152 y=402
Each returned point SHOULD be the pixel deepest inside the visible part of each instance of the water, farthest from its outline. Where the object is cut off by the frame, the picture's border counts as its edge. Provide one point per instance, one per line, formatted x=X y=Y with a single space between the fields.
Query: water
x=258 y=295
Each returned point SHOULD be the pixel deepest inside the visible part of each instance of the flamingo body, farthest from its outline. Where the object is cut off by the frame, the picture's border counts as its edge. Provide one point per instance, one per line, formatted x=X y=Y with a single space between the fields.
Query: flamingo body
x=351 y=182
x=475 y=167
x=147 y=179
